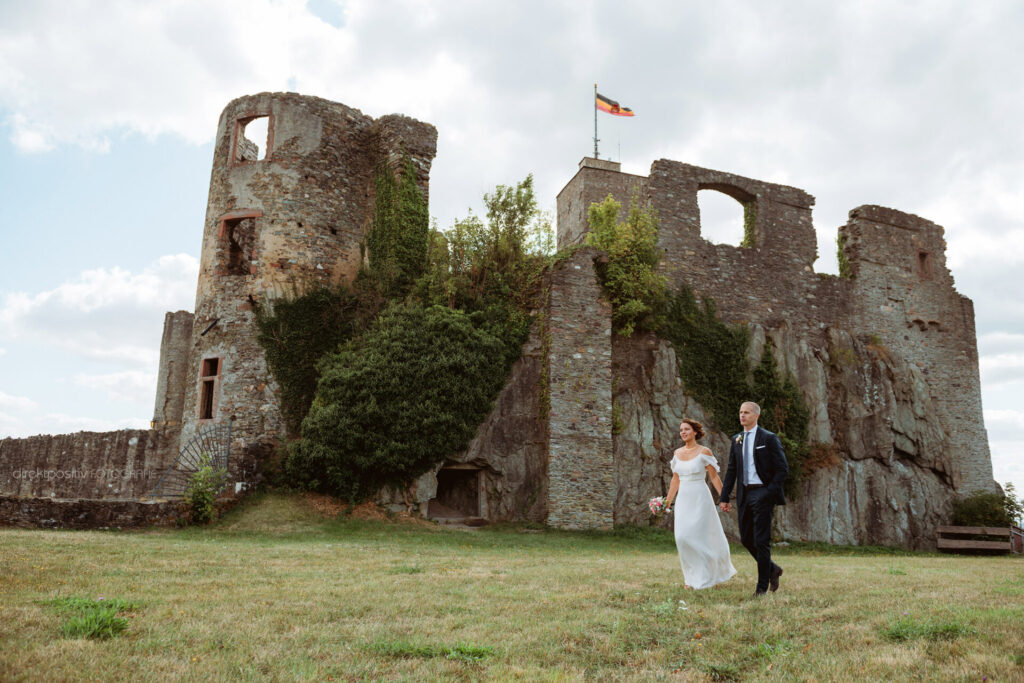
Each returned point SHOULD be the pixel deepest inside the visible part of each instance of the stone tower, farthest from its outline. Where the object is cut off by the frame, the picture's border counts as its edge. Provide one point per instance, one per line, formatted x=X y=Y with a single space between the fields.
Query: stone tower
x=283 y=210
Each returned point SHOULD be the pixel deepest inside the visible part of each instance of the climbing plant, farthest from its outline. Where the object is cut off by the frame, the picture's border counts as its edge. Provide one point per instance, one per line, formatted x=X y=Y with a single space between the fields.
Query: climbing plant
x=845 y=268
x=295 y=331
x=398 y=238
x=749 y=223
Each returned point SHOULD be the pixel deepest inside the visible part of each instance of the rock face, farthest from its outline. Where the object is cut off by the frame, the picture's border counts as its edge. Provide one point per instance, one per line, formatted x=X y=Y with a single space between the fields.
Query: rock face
x=880 y=466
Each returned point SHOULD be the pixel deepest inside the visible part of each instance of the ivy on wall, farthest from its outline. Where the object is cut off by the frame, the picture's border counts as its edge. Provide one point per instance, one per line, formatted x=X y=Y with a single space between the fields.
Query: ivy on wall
x=845 y=267
x=749 y=223
x=714 y=367
x=295 y=331
x=398 y=238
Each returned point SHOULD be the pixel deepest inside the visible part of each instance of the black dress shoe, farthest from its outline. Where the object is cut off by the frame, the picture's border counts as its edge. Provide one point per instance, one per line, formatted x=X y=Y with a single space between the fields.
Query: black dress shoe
x=773 y=580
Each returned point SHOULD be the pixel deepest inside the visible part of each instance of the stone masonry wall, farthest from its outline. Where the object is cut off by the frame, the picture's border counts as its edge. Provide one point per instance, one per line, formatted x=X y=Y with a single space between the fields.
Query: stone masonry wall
x=595 y=180
x=85 y=514
x=581 y=468
x=97 y=465
x=886 y=359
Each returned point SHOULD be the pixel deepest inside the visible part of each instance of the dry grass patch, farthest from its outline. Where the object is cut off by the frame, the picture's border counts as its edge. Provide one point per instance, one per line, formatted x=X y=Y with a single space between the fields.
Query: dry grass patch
x=278 y=590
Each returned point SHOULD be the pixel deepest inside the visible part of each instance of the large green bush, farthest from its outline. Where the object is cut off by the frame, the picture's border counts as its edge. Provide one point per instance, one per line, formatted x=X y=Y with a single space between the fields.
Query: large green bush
x=396 y=401
x=983 y=508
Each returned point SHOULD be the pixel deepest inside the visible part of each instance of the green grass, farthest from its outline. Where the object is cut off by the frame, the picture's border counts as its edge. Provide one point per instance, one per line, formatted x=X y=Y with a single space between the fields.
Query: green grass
x=276 y=591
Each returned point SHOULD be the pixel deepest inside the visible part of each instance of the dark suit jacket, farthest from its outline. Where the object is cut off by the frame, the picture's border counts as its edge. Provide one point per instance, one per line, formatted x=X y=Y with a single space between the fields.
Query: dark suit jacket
x=769 y=461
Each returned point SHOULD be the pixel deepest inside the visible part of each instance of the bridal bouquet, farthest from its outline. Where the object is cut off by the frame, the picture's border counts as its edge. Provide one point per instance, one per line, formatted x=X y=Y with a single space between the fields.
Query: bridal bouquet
x=657 y=506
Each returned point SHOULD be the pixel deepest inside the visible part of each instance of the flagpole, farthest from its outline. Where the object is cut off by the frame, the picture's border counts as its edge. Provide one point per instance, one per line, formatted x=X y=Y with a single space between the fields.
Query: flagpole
x=595 y=121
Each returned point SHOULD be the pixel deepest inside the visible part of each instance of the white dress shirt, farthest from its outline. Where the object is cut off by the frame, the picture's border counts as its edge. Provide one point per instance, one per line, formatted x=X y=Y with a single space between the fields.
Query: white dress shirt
x=749 y=471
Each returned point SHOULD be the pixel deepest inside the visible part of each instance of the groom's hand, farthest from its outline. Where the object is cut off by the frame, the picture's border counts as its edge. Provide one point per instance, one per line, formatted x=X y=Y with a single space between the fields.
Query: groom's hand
x=725 y=507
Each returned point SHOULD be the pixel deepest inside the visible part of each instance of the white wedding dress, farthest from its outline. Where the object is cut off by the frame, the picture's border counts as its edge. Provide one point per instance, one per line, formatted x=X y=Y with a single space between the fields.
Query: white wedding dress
x=703 y=549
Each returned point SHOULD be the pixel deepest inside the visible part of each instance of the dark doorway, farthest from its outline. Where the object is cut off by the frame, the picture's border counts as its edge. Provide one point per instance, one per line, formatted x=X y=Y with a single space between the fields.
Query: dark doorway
x=458 y=493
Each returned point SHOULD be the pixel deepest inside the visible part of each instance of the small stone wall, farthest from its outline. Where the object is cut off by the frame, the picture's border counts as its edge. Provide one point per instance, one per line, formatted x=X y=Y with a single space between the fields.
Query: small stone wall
x=55 y=513
x=95 y=465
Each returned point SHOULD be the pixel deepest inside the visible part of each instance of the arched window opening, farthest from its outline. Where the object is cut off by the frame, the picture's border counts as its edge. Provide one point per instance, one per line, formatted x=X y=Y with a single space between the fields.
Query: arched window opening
x=725 y=219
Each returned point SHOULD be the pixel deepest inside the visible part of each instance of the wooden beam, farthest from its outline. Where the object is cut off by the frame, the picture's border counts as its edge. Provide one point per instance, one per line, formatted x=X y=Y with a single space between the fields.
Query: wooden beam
x=975 y=530
x=957 y=544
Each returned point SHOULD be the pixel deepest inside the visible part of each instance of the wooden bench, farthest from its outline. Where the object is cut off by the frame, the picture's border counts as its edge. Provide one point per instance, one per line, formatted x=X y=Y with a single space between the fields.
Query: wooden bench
x=1005 y=539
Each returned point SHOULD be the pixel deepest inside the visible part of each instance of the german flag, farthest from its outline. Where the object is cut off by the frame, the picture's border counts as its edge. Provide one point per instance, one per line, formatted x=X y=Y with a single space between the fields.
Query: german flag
x=612 y=107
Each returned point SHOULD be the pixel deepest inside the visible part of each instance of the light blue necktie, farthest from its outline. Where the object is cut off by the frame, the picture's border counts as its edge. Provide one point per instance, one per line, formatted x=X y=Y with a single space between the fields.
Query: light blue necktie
x=748 y=450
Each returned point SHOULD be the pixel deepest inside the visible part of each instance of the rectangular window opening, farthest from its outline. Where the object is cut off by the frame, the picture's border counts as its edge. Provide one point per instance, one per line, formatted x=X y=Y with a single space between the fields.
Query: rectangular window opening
x=240 y=235
x=210 y=368
x=924 y=264
x=206 y=400
x=252 y=138
x=209 y=371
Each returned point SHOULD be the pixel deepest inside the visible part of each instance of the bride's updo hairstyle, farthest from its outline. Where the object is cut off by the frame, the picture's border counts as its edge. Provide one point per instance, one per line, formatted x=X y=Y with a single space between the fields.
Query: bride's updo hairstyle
x=698 y=428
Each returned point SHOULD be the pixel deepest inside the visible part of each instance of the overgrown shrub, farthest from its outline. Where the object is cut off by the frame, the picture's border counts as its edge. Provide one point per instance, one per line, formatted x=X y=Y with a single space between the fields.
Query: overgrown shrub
x=480 y=265
x=396 y=401
x=629 y=274
x=491 y=271
x=983 y=508
x=201 y=491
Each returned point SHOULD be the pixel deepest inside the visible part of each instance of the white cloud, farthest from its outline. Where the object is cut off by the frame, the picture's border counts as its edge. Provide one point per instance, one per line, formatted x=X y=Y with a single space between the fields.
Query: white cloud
x=104 y=314
x=127 y=385
x=1001 y=368
x=19 y=403
x=20 y=417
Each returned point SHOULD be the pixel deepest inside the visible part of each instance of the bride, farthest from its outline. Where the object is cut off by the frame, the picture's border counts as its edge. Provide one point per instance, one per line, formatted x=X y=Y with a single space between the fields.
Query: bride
x=703 y=550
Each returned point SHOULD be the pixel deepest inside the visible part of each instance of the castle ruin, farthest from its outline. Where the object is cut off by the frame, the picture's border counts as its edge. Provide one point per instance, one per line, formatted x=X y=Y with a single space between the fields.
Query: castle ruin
x=885 y=356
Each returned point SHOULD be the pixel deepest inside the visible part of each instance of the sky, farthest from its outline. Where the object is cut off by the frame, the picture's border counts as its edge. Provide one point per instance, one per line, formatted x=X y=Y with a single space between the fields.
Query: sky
x=108 y=110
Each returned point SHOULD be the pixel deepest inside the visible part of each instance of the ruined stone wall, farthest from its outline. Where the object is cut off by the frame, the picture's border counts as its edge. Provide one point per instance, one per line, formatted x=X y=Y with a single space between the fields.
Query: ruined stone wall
x=297 y=215
x=904 y=296
x=595 y=180
x=96 y=465
x=886 y=359
x=85 y=514
x=772 y=282
x=581 y=468
x=175 y=348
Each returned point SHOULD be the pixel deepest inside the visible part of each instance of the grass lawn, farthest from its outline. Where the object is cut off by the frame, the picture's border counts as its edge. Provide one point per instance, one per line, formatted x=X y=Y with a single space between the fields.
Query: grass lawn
x=278 y=591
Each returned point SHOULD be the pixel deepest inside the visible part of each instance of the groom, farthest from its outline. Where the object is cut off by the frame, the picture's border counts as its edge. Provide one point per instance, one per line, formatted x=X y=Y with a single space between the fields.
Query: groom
x=758 y=464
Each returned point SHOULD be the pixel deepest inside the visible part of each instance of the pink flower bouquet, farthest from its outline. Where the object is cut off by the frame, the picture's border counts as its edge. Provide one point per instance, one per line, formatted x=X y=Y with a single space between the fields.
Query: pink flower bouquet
x=657 y=506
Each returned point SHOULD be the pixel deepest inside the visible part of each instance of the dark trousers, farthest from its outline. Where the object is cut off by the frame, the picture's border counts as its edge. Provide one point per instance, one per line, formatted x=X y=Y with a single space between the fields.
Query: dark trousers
x=755 y=518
